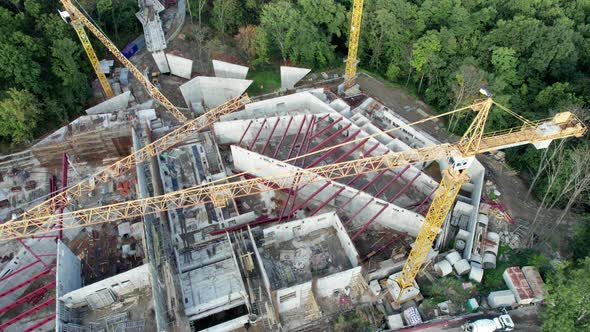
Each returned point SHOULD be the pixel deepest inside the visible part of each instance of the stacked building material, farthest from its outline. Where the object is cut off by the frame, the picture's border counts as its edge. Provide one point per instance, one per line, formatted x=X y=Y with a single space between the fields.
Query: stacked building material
x=518 y=284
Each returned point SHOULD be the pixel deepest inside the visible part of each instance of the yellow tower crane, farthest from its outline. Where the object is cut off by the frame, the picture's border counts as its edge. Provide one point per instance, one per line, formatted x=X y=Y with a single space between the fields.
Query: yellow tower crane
x=353 y=44
x=72 y=14
x=86 y=186
x=79 y=28
x=460 y=155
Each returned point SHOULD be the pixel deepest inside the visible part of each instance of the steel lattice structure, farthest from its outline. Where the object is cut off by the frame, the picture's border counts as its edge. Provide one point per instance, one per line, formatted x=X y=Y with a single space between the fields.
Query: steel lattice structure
x=150 y=88
x=353 y=43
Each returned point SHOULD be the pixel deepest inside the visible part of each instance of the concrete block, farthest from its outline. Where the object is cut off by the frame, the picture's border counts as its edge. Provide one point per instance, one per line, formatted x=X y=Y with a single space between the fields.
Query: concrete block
x=161 y=62
x=291 y=75
x=212 y=91
x=115 y=104
x=518 y=284
x=500 y=299
x=229 y=70
x=179 y=66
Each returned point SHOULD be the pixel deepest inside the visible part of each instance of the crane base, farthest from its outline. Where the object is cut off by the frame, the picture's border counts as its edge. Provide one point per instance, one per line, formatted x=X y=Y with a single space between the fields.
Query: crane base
x=355 y=90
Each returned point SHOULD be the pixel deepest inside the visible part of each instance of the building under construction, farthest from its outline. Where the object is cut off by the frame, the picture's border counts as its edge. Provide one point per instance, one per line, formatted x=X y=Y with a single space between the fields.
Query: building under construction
x=278 y=212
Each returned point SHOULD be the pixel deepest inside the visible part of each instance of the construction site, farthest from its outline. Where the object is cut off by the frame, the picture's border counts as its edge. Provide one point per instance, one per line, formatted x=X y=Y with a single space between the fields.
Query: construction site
x=220 y=211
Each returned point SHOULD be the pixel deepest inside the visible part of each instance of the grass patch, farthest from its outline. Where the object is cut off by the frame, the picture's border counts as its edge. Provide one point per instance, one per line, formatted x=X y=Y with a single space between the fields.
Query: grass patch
x=351 y=322
x=447 y=288
x=492 y=278
x=265 y=81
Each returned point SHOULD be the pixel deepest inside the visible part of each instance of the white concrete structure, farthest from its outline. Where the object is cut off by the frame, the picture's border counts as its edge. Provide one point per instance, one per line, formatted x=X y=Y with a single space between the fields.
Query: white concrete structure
x=149 y=16
x=161 y=61
x=229 y=70
x=115 y=104
x=393 y=217
x=212 y=91
x=102 y=293
x=443 y=268
x=291 y=75
x=296 y=296
x=179 y=66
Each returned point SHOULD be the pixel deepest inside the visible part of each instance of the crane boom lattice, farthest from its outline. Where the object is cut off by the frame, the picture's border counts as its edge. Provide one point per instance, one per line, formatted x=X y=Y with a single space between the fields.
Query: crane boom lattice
x=353 y=43
x=77 y=16
x=126 y=164
x=563 y=124
x=104 y=83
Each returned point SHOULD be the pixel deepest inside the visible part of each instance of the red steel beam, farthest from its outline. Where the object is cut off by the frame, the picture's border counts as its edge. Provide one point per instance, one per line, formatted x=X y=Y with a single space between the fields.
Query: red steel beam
x=329 y=139
x=351 y=151
x=27 y=313
x=274 y=155
x=24 y=283
x=323 y=117
x=366 y=225
x=297 y=136
x=38 y=257
x=399 y=193
x=362 y=189
x=305 y=140
x=257 y=134
x=395 y=238
x=40 y=323
x=321 y=206
x=331 y=151
x=28 y=297
x=270 y=135
x=387 y=185
x=245 y=131
x=19 y=270
x=326 y=128
x=427 y=199
x=314 y=194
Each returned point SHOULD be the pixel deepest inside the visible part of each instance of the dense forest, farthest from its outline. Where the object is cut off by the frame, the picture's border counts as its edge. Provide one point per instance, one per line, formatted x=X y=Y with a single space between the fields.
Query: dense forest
x=533 y=55
x=44 y=73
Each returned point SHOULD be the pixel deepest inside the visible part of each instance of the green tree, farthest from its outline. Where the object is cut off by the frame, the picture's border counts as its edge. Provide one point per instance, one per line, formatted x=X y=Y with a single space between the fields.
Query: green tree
x=227 y=15
x=424 y=54
x=19 y=113
x=327 y=14
x=277 y=21
x=568 y=300
x=505 y=62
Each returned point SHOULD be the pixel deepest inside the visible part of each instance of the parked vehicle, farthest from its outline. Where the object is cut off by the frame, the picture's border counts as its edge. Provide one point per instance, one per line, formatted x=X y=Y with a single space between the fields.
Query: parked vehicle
x=501 y=323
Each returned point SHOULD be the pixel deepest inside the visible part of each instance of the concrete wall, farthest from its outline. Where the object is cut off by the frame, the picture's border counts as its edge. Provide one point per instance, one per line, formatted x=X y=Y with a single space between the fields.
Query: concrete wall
x=115 y=104
x=297 y=103
x=291 y=75
x=393 y=216
x=179 y=66
x=293 y=302
x=161 y=61
x=284 y=232
x=212 y=91
x=229 y=70
x=477 y=174
x=68 y=271
x=120 y=284
x=337 y=281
